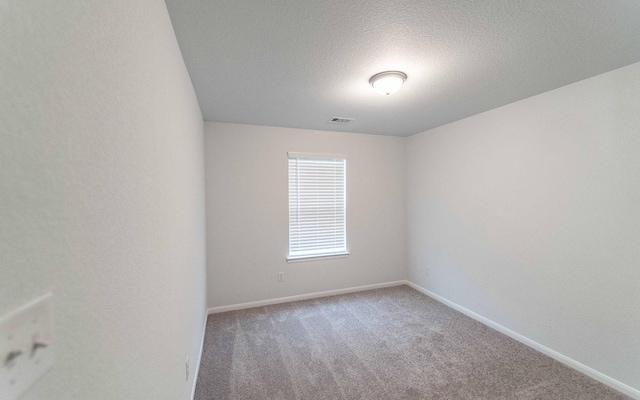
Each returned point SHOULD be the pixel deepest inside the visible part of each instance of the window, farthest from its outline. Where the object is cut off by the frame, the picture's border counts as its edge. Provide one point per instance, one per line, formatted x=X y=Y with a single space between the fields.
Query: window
x=317 y=206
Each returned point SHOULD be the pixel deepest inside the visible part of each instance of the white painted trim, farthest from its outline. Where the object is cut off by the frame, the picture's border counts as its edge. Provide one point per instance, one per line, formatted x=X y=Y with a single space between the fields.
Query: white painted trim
x=316 y=156
x=196 y=371
x=317 y=257
x=260 y=303
x=607 y=380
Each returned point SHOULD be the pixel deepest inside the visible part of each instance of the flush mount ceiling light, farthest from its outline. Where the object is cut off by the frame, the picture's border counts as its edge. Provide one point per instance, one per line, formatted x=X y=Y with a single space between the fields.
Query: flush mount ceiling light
x=388 y=82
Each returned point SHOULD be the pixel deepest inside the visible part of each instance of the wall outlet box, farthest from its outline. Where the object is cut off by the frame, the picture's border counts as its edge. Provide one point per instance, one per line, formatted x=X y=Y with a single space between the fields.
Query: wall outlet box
x=26 y=347
x=280 y=276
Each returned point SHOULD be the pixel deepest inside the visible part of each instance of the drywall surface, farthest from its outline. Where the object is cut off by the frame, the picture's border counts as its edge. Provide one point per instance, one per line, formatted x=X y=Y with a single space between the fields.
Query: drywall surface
x=247 y=212
x=297 y=63
x=102 y=194
x=529 y=215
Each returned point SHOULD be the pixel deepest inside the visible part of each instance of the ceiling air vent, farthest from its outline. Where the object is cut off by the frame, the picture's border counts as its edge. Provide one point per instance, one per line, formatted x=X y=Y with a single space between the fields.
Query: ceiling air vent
x=340 y=120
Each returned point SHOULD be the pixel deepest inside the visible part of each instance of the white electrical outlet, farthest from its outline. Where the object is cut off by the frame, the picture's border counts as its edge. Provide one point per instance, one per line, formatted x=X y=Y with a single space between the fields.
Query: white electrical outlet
x=26 y=347
x=427 y=270
x=187 y=368
x=280 y=276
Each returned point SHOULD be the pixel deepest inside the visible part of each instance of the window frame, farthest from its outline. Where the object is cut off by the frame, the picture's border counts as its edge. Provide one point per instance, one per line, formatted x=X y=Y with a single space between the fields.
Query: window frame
x=317 y=256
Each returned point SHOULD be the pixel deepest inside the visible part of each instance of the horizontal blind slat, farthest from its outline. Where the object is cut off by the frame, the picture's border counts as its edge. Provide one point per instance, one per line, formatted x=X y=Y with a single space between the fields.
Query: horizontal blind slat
x=317 y=204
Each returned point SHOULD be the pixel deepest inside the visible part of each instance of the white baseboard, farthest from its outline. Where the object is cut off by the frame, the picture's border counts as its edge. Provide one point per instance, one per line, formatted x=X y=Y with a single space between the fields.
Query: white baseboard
x=252 y=304
x=607 y=380
x=196 y=371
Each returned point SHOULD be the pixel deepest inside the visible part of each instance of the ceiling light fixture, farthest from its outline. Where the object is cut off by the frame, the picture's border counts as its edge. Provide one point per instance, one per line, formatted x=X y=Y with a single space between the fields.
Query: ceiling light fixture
x=388 y=82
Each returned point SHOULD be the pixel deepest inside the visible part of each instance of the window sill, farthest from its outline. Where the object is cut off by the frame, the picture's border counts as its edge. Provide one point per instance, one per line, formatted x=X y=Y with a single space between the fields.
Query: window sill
x=317 y=257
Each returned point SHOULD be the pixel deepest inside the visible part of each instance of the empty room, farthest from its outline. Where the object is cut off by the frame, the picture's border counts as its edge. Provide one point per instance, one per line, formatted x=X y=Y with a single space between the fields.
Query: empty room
x=297 y=199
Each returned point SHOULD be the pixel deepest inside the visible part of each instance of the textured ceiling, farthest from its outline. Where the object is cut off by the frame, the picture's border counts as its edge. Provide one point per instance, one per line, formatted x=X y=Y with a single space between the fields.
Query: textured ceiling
x=297 y=63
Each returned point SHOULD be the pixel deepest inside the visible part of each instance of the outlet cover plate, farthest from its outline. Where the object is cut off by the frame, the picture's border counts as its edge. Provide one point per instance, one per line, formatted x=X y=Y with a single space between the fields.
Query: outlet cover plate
x=20 y=331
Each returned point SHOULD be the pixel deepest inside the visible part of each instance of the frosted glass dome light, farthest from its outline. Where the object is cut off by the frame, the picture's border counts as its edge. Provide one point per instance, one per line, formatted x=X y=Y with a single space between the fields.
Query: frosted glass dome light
x=388 y=82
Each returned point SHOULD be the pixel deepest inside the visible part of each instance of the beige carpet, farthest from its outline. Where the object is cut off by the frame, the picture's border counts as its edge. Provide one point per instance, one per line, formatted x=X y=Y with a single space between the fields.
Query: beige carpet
x=392 y=343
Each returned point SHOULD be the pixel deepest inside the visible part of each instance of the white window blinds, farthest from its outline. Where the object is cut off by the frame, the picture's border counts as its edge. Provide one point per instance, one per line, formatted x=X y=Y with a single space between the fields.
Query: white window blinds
x=317 y=206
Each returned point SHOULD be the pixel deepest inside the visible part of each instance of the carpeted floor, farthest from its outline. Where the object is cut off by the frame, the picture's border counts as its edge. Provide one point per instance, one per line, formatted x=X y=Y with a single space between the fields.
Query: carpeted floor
x=392 y=343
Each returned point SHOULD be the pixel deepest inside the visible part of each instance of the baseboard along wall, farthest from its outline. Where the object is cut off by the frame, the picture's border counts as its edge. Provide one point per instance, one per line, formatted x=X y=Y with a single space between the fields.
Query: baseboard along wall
x=197 y=369
x=607 y=380
x=288 y=299
x=600 y=377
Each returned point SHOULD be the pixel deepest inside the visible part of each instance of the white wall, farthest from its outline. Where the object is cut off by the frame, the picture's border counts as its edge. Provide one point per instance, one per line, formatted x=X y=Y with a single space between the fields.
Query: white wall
x=101 y=194
x=529 y=215
x=247 y=212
